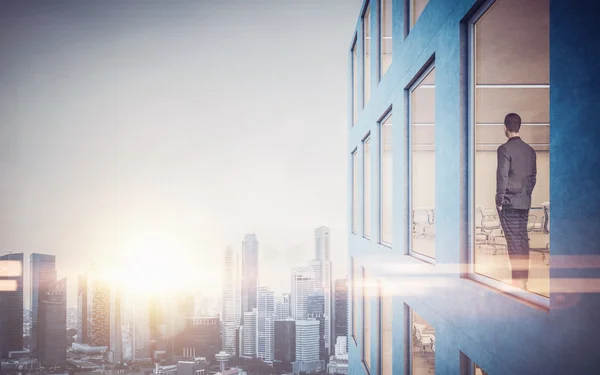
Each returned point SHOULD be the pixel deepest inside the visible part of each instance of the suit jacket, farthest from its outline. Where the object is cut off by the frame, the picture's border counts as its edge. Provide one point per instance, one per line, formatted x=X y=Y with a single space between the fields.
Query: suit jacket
x=516 y=174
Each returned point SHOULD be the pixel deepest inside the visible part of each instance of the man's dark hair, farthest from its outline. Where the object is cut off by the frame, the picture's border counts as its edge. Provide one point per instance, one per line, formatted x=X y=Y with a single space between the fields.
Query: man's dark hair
x=512 y=121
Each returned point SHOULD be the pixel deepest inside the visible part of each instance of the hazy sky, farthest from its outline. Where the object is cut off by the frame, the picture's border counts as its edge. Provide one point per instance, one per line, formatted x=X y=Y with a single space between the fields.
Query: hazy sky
x=197 y=120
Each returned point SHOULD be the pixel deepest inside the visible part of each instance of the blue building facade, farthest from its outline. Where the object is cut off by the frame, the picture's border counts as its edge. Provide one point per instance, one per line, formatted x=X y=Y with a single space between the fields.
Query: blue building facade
x=429 y=286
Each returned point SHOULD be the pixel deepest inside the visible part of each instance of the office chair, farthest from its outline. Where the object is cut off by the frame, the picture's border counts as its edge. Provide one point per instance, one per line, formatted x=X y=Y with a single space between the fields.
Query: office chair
x=421 y=221
x=489 y=223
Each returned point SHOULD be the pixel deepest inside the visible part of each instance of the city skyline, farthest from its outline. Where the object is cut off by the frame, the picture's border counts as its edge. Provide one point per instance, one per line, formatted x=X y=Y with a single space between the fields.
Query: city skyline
x=122 y=141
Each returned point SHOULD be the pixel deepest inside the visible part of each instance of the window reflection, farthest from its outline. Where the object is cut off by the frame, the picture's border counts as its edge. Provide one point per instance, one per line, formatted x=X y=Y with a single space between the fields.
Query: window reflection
x=386 y=180
x=356 y=285
x=422 y=166
x=416 y=8
x=422 y=348
x=386 y=332
x=354 y=192
x=367 y=55
x=511 y=75
x=386 y=35
x=354 y=83
x=367 y=187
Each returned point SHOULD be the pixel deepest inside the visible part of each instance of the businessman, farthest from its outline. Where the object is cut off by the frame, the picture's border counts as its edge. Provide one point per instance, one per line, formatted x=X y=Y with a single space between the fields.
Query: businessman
x=515 y=180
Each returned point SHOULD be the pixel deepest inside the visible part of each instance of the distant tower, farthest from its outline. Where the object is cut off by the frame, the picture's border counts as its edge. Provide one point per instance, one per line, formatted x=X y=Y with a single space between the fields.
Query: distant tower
x=222 y=357
x=323 y=281
x=116 y=339
x=52 y=341
x=82 y=310
x=249 y=272
x=231 y=304
x=99 y=324
x=11 y=305
x=43 y=272
x=264 y=332
x=303 y=283
x=250 y=334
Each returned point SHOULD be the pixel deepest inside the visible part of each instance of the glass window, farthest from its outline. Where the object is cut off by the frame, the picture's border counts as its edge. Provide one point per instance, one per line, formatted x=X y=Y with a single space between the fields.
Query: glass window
x=354 y=83
x=354 y=192
x=386 y=180
x=386 y=332
x=468 y=367
x=370 y=294
x=386 y=35
x=510 y=70
x=416 y=8
x=422 y=345
x=356 y=285
x=367 y=187
x=367 y=55
x=422 y=165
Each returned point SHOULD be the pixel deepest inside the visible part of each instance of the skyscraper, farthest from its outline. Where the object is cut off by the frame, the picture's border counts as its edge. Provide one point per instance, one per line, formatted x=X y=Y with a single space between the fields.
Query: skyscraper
x=43 y=271
x=341 y=309
x=249 y=272
x=250 y=334
x=201 y=338
x=11 y=304
x=282 y=306
x=99 y=311
x=303 y=283
x=52 y=324
x=230 y=307
x=82 y=310
x=323 y=281
x=285 y=342
x=307 y=346
x=315 y=308
x=116 y=340
x=264 y=334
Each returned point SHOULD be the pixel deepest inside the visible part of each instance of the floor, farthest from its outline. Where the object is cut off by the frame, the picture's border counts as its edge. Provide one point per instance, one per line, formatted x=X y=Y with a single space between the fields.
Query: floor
x=497 y=266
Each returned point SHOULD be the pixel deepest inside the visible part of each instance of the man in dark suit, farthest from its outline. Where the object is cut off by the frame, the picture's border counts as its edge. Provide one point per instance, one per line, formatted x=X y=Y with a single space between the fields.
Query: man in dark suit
x=515 y=180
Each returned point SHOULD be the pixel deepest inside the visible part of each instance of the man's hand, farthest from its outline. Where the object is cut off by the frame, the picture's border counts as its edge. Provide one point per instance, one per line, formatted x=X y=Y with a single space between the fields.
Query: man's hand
x=499 y=208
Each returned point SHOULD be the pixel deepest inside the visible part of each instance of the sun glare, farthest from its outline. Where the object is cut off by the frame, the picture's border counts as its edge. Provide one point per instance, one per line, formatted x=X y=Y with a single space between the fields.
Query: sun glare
x=152 y=263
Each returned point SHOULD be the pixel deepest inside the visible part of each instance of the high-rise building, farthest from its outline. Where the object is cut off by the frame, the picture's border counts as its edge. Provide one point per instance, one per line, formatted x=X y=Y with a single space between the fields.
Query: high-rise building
x=200 y=338
x=250 y=334
x=316 y=310
x=231 y=304
x=98 y=311
x=450 y=297
x=282 y=306
x=82 y=310
x=303 y=283
x=322 y=243
x=284 y=342
x=43 y=271
x=52 y=324
x=116 y=339
x=340 y=315
x=180 y=312
x=249 y=272
x=11 y=304
x=323 y=280
x=265 y=310
x=307 y=346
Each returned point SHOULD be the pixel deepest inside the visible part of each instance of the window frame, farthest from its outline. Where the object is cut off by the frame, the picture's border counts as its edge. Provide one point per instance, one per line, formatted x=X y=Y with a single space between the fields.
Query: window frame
x=366 y=200
x=386 y=116
x=528 y=296
x=366 y=14
x=354 y=219
x=355 y=302
x=423 y=73
x=354 y=78
x=380 y=22
x=366 y=301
